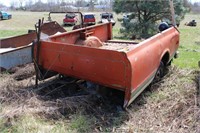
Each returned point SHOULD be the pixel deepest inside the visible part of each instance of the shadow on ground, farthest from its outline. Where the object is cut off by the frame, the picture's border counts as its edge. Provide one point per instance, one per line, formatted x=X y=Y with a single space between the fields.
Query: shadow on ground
x=161 y=107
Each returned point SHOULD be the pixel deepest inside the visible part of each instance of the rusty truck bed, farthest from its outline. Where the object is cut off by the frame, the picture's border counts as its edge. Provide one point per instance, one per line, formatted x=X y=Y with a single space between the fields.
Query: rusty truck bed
x=123 y=65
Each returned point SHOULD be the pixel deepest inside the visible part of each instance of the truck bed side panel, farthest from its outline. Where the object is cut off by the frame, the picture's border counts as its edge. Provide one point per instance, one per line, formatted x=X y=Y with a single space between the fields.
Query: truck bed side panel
x=102 y=31
x=17 y=41
x=145 y=58
x=106 y=67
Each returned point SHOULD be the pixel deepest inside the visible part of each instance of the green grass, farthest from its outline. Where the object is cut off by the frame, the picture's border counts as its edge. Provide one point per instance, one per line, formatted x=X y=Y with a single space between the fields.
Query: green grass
x=187 y=59
x=189 y=38
x=81 y=123
x=32 y=124
x=189 y=44
x=9 y=33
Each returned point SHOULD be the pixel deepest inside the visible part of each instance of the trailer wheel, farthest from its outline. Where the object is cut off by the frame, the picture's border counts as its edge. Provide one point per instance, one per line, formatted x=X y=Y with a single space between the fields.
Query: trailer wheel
x=170 y=62
x=160 y=72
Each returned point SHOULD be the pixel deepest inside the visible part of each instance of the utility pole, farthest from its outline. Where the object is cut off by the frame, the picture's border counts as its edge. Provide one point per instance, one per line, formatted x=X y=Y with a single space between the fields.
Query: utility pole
x=172 y=12
x=92 y=5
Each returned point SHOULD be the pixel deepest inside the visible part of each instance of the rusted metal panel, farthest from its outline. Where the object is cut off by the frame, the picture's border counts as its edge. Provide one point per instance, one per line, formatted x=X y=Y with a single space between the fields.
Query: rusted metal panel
x=51 y=28
x=17 y=50
x=130 y=71
x=103 y=66
x=146 y=56
x=102 y=31
x=15 y=57
x=17 y=41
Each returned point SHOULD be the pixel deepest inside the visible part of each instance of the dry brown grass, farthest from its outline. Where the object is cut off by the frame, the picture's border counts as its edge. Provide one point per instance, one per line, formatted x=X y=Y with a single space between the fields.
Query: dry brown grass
x=172 y=105
x=21 y=96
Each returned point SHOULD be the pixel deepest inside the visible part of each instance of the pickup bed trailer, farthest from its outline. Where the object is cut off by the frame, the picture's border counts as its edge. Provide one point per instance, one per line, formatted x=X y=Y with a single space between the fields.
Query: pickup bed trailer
x=16 y=50
x=91 y=54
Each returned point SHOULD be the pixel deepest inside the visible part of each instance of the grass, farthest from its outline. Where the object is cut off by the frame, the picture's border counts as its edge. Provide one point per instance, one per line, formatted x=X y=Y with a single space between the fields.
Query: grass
x=189 y=44
x=81 y=123
x=169 y=106
x=10 y=33
x=31 y=124
x=187 y=59
x=21 y=22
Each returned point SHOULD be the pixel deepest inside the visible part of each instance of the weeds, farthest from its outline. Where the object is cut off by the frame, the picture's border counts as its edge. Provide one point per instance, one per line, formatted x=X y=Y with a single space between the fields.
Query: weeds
x=81 y=123
x=169 y=106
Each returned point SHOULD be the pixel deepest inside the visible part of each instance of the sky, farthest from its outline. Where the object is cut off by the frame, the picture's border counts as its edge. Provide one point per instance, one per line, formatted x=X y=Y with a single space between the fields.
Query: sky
x=7 y=2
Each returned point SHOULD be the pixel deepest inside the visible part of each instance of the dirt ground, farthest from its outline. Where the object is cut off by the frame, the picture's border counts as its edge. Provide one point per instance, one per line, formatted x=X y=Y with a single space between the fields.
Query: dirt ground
x=172 y=105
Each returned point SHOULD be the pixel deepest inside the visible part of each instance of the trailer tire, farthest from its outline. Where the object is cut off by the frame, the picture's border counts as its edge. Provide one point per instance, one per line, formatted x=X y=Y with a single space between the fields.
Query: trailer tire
x=170 y=62
x=160 y=72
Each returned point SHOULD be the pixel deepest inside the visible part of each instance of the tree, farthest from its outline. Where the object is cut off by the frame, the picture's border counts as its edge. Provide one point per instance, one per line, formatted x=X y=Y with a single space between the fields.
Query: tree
x=28 y=4
x=21 y=2
x=145 y=14
x=13 y=4
x=195 y=7
x=91 y=5
x=1 y=5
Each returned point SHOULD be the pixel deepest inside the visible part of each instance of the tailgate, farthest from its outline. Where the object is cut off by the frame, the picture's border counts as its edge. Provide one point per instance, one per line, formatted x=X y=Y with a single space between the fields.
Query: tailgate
x=106 y=67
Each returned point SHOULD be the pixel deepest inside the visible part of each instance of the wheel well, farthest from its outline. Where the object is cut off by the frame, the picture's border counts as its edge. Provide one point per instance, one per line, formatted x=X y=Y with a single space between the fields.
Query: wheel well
x=165 y=58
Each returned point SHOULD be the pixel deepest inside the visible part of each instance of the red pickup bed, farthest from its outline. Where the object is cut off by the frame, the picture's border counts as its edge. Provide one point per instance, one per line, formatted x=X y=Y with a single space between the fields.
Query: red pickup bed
x=123 y=65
